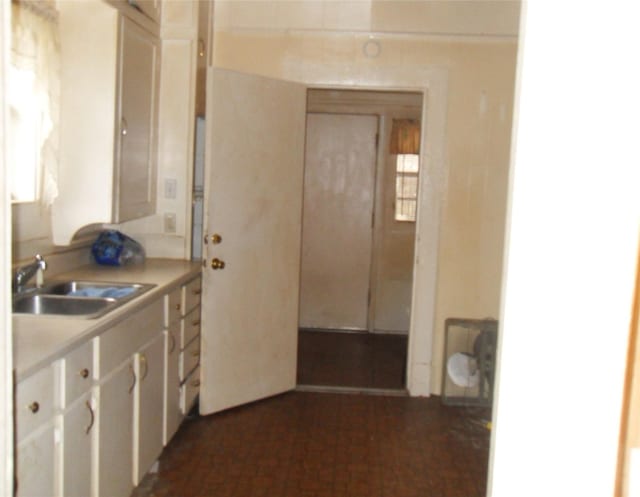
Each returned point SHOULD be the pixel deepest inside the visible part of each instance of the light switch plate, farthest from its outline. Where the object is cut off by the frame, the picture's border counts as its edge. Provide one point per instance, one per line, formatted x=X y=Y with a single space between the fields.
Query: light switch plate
x=170 y=188
x=169 y=222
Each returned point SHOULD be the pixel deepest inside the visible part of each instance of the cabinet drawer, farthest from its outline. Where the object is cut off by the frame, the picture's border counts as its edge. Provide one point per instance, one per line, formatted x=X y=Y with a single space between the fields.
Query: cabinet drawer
x=189 y=391
x=34 y=401
x=190 y=327
x=78 y=373
x=189 y=358
x=192 y=293
x=173 y=306
x=126 y=337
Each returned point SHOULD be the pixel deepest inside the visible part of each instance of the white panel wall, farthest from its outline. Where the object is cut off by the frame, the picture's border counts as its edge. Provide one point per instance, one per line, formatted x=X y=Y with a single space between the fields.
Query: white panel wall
x=572 y=244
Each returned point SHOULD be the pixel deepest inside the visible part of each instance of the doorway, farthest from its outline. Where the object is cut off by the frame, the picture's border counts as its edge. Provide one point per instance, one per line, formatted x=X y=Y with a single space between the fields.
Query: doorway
x=358 y=240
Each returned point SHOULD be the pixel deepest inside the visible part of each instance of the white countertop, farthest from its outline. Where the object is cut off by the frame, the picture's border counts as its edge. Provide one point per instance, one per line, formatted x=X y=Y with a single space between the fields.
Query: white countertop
x=40 y=340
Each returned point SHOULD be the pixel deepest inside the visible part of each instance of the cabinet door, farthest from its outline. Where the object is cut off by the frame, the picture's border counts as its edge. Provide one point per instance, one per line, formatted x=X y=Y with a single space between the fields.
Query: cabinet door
x=135 y=168
x=172 y=412
x=78 y=423
x=150 y=8
x=149 y=402
x=115 y=414
x=35 y=463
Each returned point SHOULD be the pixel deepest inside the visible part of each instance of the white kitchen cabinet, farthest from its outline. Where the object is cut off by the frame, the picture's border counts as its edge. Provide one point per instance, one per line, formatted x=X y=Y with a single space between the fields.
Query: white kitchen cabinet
x=150 y=8
x=148 y=403
x=192 y=295
x=91 y=423
x=77 y=423
x=190 y=328
x=182 y=319
x=190 y=344
x=35 y=434
x=35 y=463
x=131 y=373
x=190 y=389
x=135 y=162
x=76 y=418
x=190 y=358
x=115 y=432
x=172 y=413
x=108 y=137
x=55 y=417
x=34 y=402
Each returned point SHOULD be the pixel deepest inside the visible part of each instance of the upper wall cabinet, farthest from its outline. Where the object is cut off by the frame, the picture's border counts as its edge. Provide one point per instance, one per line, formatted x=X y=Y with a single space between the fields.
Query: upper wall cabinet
x=108 y=119
x=136 y=142
x=150 y=8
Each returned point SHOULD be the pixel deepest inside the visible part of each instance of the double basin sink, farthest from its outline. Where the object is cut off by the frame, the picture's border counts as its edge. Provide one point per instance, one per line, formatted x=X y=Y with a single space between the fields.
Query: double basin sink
x=82 y=299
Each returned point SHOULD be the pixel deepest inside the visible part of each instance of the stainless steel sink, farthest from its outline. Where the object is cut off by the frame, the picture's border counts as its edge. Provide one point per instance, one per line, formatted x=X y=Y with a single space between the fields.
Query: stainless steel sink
x=62 y=305
x=83 y=299
x=95 y=289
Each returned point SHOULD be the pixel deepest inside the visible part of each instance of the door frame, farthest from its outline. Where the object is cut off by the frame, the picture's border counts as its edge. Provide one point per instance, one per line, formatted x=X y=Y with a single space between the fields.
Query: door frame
x=6 y=348
x=432 y=83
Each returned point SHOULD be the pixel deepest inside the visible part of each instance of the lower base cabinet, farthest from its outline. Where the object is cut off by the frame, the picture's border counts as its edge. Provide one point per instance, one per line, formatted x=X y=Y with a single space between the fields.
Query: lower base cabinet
x=92 y=423
x=35 y=463
x=78 y=423
x=149 y=398
x=115 y=433
x=172 y=413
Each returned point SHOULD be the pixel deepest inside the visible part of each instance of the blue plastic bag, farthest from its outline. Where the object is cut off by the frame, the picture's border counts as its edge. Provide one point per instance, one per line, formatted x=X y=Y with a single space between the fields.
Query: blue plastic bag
x=113 y=248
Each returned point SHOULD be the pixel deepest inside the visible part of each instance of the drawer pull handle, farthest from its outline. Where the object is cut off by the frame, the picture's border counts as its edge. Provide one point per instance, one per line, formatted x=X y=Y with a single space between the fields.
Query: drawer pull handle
x=34 y=407
x=197 y=292
x=173 y=343
x=195 y=353
x=177 y=307
x=143 y=360
x=93 y=417
x=195 y=383
x=196 y=322
x=84 y=373
x=133 y=375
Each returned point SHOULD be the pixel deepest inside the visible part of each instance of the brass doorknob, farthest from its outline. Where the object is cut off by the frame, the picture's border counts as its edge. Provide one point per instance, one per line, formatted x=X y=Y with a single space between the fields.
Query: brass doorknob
x=216 y=239
x=217 y=263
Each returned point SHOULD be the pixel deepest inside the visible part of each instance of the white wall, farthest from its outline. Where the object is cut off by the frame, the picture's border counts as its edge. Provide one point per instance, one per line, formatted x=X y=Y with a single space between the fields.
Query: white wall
x=466 y=154
x=6 y=367
x=571 y=251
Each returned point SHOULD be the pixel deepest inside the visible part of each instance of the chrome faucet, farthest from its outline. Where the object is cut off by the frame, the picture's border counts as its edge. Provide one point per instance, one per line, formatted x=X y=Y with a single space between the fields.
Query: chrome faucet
x=25 y=273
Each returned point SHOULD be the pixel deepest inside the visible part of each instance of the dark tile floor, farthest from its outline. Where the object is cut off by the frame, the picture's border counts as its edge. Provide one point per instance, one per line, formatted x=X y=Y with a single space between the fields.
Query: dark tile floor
x=356 y=360
x=303 y=444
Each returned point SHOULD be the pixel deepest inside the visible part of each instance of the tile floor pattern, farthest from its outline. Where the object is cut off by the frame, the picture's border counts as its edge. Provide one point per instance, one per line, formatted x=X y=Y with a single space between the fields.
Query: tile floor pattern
x=303 y=444
x=359 y=360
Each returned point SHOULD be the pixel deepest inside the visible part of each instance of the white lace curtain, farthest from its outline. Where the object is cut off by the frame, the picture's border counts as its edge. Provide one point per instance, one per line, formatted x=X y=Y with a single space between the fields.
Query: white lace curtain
x=34 y=97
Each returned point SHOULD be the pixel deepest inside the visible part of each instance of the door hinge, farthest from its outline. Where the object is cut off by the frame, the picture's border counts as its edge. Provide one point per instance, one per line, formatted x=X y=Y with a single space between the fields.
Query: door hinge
x=377 y=139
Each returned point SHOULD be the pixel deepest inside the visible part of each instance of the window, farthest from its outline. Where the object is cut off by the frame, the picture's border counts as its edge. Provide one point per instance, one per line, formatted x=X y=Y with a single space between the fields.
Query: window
x=404 y=143
x=24 y=135
x=407 y=168
x=33 y=88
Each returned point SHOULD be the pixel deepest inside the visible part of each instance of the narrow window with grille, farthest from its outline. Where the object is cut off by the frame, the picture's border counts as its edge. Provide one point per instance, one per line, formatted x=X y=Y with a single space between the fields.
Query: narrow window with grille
x=407 y=169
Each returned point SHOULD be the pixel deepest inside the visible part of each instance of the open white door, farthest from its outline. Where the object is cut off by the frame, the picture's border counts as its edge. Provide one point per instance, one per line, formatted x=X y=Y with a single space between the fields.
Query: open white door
x=255 y=129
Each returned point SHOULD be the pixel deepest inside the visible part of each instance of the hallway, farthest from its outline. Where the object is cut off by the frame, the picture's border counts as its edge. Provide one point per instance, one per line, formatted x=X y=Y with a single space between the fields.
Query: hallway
x=302 y=444
x=352 y=360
